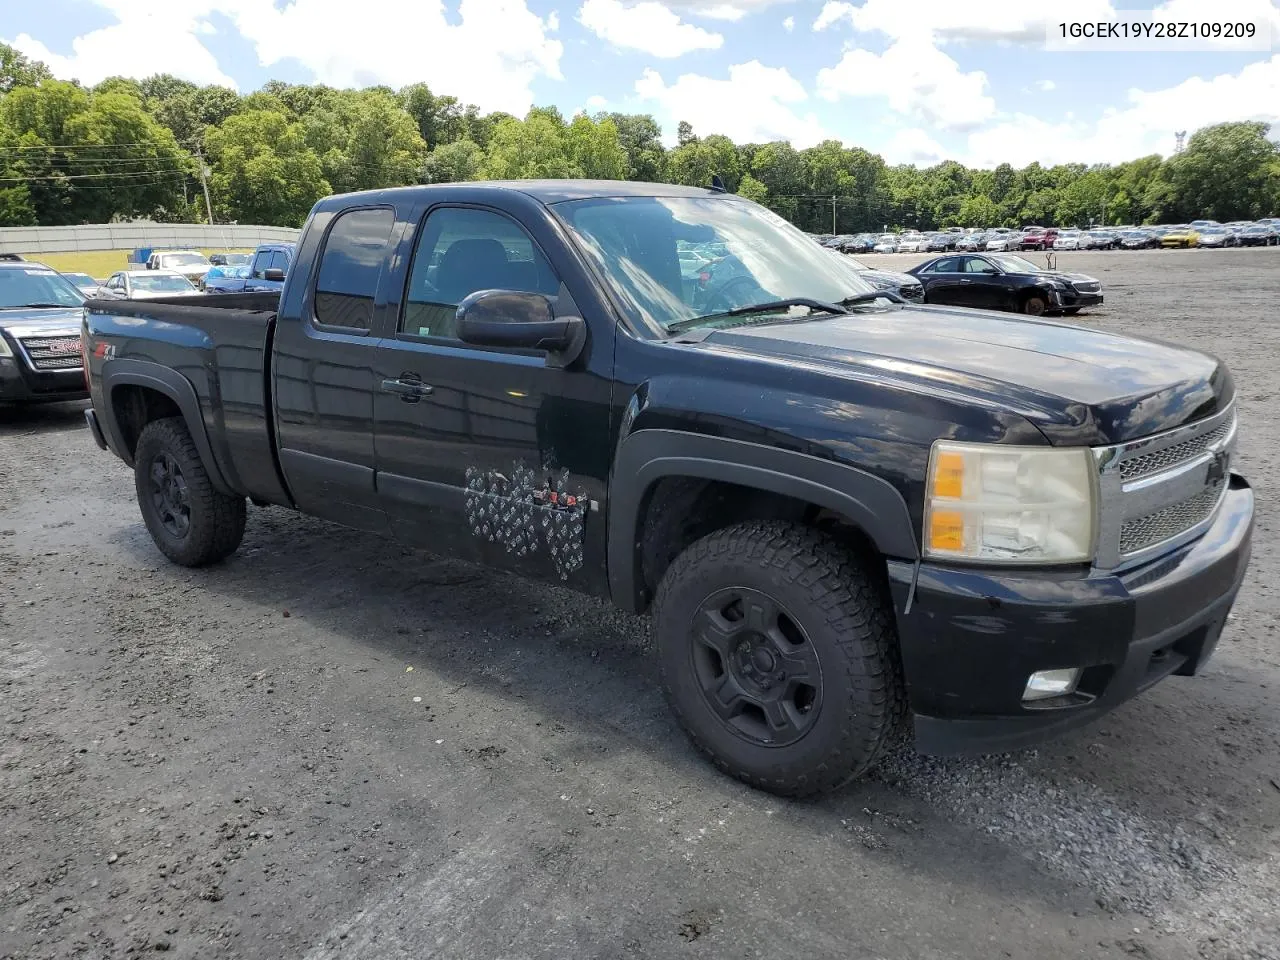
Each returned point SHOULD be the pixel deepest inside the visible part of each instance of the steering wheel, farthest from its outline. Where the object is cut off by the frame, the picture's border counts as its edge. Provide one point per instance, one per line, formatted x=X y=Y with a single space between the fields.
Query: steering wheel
x=723 y=300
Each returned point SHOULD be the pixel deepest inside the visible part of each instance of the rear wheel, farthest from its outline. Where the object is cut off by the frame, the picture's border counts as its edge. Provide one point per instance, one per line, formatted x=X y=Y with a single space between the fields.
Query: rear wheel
x=1035 y=306
x=191 y=522
x=778 y=656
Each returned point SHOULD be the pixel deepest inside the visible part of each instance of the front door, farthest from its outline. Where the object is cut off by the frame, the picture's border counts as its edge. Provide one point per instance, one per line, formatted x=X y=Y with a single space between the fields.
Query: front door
x=984 y=284
x=944 y=282
x=484 y=453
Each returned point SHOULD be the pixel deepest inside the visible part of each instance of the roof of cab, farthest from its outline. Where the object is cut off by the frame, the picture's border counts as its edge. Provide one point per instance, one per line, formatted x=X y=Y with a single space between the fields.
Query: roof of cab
x=544 y=191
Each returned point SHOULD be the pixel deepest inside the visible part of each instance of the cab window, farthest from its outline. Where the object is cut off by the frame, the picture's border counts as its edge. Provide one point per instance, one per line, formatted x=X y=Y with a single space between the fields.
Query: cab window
x=350 y=264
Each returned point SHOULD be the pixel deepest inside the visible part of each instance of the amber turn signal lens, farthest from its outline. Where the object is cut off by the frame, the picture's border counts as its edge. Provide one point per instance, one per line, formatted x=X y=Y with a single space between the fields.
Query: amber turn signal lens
x=946 y=530
x=948 y=475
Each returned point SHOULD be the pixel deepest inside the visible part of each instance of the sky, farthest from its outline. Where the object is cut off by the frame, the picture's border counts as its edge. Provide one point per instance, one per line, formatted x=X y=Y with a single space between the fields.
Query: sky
x=918 y=81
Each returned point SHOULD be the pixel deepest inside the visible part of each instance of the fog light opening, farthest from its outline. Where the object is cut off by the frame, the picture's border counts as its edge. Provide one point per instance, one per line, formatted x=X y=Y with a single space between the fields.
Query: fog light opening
x=1044 y=684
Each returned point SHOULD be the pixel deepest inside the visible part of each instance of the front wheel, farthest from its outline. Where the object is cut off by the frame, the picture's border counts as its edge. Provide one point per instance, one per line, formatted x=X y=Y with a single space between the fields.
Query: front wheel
x=1035 y=306
x=778 y=656
x=191 y=522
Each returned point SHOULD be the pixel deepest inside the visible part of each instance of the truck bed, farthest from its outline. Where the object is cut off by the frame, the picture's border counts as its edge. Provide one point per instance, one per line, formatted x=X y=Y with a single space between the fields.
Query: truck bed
x=220 y=344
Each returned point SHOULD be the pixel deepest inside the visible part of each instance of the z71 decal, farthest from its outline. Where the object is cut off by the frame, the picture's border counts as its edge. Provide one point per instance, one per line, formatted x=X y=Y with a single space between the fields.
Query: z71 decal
x=529 y=511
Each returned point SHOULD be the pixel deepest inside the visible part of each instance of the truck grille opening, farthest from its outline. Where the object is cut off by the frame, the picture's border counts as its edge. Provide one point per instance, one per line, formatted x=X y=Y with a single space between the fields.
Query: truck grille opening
x=1148 y=463
x=53 y=353
x=1167 y=522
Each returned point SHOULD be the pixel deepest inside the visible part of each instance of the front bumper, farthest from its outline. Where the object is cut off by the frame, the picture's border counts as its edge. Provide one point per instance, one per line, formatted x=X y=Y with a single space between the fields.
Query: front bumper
x=20 y=385
x=973 y=637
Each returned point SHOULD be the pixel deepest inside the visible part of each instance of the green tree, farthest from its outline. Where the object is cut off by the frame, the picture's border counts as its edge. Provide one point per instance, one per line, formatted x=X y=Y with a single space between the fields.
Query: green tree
x=455 y=162
x=17 y=70
x=263 y=170
x=641 y=138
x=595 y=149
x=1226 y=172
x=753 y=189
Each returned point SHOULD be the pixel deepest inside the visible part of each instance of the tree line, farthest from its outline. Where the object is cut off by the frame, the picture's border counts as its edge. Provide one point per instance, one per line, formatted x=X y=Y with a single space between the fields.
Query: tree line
x=123 y=149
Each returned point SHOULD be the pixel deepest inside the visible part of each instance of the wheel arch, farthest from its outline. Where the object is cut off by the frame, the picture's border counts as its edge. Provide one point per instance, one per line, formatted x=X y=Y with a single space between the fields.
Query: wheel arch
x=758 y=480
x=138 y=392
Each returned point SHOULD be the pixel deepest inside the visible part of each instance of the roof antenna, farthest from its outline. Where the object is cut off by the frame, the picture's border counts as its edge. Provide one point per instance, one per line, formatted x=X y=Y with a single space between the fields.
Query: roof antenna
x=717 y=184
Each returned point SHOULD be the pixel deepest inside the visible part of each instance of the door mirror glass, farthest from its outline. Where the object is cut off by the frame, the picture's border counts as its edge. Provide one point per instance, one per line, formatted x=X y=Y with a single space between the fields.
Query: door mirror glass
x=273 y=273
x=512 y=318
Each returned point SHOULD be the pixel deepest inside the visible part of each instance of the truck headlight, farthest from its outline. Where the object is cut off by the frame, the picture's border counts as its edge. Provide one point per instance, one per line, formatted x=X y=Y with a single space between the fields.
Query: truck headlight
x=1006 y=504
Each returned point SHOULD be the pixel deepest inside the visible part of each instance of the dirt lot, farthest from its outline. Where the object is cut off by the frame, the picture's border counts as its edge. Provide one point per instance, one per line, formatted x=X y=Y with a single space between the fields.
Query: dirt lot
x=332 y=747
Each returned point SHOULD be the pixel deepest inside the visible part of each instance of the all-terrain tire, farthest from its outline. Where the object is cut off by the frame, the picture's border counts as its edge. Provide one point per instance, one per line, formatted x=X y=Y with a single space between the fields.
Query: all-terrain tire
x=214 y=522
x=844 y=611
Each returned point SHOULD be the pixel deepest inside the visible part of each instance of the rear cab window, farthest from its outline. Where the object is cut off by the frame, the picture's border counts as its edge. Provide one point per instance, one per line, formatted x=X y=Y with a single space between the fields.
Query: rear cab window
x=355 y=249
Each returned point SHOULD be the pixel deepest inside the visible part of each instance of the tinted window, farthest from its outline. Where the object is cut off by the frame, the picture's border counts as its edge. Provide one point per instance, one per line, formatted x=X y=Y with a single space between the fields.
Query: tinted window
x=278 y=261
x=947 y=265
x=36 y=285
x=978 y=265
x=347 y=280
x=260 y=261
x=462 y=251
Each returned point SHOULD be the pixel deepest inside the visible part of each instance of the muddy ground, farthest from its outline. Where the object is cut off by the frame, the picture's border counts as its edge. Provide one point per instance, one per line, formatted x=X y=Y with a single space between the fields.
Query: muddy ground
x=333 y=747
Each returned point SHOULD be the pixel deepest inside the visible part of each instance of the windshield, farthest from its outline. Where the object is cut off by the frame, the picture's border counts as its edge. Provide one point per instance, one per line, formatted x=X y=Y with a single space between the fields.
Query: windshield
x=1015 y=264
x=36 y=286
x=144 y=281
x=757 y=257
x=81 y=279
x=170 y=260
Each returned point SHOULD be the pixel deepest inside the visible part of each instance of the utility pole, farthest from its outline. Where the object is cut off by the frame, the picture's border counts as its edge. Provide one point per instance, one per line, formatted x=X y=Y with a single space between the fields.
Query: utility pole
x=204 y=182
x=833 y=214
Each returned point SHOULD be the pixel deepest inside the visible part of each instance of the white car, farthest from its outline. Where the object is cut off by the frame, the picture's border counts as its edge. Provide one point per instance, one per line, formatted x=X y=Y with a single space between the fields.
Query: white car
x=1067 y=240
x=886 y=244
x=191 y=264
x=146 y=285
x=1005 y=242
x=913 y=243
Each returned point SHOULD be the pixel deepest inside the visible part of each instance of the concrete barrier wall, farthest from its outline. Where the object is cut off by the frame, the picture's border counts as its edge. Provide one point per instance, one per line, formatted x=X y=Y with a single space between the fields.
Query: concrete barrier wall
x=126 y=236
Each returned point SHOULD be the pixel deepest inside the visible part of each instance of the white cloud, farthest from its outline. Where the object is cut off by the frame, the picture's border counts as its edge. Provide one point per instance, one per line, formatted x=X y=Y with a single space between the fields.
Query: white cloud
x=732 y=10
x=1146 y=125
x=147 y=38
x=647 y=26
x=917 y=79
x=1046 y=85
x=488 y=52
x=597 y=102
x=553 y=21
x=913 y=146
x=789 y=24
x=1009 y=21
x=754 y=105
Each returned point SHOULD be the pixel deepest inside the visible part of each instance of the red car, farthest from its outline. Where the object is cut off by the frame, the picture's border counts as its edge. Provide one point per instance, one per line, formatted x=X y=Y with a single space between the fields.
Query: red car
x=1040 y=239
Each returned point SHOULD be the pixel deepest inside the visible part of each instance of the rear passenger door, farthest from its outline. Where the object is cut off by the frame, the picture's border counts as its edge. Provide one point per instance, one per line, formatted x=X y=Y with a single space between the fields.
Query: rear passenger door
x=324 y=371
x=495 y=455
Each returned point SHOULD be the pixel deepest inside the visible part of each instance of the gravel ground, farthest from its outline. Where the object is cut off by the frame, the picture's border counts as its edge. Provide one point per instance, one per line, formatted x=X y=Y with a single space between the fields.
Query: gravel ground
x=333 y=747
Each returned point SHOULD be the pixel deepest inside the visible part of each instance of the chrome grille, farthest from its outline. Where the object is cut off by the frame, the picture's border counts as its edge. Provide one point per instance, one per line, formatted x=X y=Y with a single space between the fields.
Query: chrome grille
x=912 y=291
x=1088 y=287
x=1161 y=491
x=1167 y=522
x=1148 y=463
x=53 y=353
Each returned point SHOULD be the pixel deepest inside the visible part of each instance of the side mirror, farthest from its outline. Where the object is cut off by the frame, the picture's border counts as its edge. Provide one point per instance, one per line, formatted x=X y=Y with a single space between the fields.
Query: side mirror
x=273 y=273
x=511 y=318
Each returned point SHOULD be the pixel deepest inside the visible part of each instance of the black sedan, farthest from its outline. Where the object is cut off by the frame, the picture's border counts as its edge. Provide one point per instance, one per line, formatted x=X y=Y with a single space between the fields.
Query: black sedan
x=1258 y=235
x=903 y=284
x=1003 y=281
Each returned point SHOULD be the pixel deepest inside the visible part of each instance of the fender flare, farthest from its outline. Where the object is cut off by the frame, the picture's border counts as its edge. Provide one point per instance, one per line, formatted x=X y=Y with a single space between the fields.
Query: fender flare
x=165 y=380
x=646 y=456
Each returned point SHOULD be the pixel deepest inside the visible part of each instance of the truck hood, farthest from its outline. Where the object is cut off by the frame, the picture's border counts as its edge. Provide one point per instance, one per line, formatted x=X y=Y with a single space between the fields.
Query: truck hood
x=26 y=322
x=1077 y=385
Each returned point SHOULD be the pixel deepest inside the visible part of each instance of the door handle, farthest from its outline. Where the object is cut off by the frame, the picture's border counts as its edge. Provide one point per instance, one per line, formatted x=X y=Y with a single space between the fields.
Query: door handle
x=966 y=281
x=410 y=391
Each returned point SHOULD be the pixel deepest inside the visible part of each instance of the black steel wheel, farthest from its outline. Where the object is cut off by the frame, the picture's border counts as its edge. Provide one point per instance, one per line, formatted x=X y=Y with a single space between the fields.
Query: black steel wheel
x=189 y=520
x=779 y=657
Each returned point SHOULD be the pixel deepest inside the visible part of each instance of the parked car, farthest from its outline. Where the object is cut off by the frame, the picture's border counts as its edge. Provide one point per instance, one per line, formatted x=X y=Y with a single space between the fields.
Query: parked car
x=1180 y=237
x=1139 y=240
x=145 y=285
x=1259 y=235
x=862 y=243
x=1005 y=282
x=1218 y=237
x=912 y=243
x=1041 y=240
x=888 y=243
x=269 y=267
x=1202 y=225
x=972 y=241
x=82 y=282
x=1095 y=240
x=939 y=243
x=1004 y=242
x=40 y=313
x=1067 y=240
x=903 y=284
x=233 y=279
x=189 y=263
x=902 y=511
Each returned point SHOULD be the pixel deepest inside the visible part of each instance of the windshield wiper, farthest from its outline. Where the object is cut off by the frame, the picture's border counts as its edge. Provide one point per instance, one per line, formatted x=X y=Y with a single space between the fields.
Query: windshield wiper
x=858 y=298
x=37 y=306
x=815 y=306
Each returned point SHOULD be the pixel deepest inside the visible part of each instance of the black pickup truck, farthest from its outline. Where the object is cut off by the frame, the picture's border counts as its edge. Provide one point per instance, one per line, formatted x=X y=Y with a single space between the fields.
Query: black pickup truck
x=845 y=512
